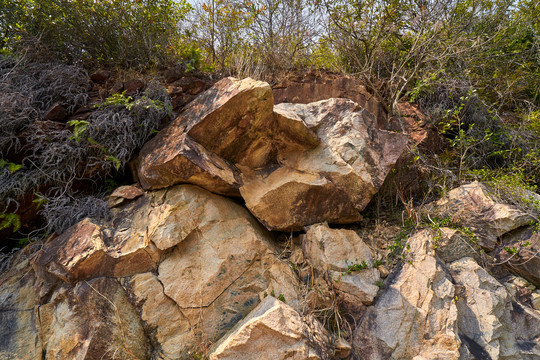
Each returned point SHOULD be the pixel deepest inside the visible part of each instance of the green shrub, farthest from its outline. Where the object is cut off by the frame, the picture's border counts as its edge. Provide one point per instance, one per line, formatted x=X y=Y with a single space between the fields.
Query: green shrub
x=118 y=32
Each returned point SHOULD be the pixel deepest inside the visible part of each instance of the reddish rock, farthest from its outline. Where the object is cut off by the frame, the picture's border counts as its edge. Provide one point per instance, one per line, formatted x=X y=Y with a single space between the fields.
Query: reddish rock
x=117 y=87
x=304 y=88
x=100 y=76
x=55 y=113
x=179 y=159
x=131 y=87
x=520 y=253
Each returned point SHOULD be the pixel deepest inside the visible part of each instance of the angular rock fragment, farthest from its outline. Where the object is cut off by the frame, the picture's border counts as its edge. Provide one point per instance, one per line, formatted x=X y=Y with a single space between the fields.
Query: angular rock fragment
x=185 y=161
x=330 y=182
x=520 y=253
x=334 y=249
x=473 y=206
x=94 y=320
x=273 y=330
x=484 y=319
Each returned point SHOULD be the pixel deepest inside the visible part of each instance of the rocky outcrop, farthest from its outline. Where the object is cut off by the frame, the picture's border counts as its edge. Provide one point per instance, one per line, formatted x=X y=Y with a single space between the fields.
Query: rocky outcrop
x=172 y=271
x=416 y=314
x=294 y=165
x=452 y=310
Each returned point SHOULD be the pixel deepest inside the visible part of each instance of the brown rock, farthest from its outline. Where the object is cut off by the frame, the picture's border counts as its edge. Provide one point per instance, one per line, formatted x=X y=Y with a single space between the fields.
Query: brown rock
x=173 y=74
x=233 y=119
x=55 y=113
x=288 y=199
x=185 y=161
x=81 y=253
x=131 y=87
x=128 y=192
x=117 y=87
x=100 y=76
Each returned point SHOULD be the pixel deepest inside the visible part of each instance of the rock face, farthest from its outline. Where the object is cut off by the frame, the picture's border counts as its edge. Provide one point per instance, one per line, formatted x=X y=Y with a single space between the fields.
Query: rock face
x=294 y=165
x=172 y=271
x=178 y=271
x=433 y=310
x=416 y=314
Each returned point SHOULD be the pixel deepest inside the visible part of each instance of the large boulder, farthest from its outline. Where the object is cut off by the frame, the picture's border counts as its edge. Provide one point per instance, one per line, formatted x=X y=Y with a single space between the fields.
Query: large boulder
x=330 y=182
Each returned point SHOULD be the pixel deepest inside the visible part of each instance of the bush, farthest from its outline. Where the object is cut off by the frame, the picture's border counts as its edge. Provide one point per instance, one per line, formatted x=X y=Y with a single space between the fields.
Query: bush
x=52 y=160
x=116 y=32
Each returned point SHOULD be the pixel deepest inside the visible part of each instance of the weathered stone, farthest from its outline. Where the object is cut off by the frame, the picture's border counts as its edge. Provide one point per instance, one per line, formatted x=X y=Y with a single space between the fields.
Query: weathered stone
x=131 y=87
x=100 y=76
x=520 y=253
x=484 y=321
x=94 y=320
x=233 y=119
x=330 y=182
x=416 y=314
x=334 y=249
x=474 y=207
x=357 y=288
x=19 y=335
x=81 y=253
x=123 y=193
x=288 y=199
x=55 y=113
x=273 y=330
x=185 y=161
x=172 y=329
x=313 y=86
x=452 y=244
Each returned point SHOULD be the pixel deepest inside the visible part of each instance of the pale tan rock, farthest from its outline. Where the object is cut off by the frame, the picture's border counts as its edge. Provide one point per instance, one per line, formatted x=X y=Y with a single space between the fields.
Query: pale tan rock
x=473 y=206
x=330 y=182
x=535 y=300
x=273 y=330
x=359 y=288
x=416 y=314
x=334 y=249
x=94 y=320
x=484 y=311
x=159 y=312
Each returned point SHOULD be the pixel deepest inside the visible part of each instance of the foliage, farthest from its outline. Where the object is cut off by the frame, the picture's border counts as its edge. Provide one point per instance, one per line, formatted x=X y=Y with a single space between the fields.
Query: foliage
x=57 y=157
x=118 y=32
